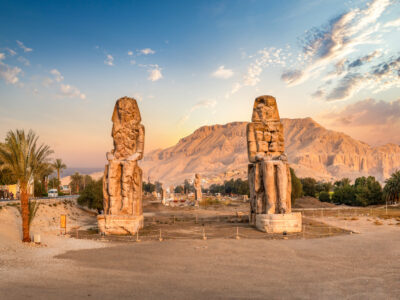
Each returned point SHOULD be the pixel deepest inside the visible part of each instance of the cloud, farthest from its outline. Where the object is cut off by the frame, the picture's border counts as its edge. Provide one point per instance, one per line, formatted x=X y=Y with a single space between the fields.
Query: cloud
x=346 y=87
x=57 y=75
x=109 y=61
x=222 y=73
x=386 y=68
x=2 y=56
x=368 y=112
x=147 y=51
x=9 y=74
x=71 y=91
x=155 y=73
x=291 y=76
x=373 y=121
x=11 y=51
x=360 y=61
x=336 y=41
x=262 y=59
x=130 y=53
x=24 y=61
x=201 y=104
x=394 y=23
x=132 y=62
x=23 y=47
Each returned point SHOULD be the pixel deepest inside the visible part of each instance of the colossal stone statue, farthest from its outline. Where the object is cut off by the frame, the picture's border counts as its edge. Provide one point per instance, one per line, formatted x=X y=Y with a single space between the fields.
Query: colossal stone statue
x=269 y=173
x=197 y=186
x=122 y=181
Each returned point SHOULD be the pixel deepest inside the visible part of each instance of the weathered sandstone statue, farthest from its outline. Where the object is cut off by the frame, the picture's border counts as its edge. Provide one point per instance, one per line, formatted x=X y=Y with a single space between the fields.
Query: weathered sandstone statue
x=269 y=173
x=197 y=186
x=122 y=181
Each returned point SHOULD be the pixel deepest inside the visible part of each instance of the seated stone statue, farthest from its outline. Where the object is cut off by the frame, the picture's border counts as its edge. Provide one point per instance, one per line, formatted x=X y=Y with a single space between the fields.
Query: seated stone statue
x=269 y=173
x=122 y=181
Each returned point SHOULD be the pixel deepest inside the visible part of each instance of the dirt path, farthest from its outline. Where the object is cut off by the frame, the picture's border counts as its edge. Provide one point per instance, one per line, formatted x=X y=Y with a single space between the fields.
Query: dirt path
x=356 y=266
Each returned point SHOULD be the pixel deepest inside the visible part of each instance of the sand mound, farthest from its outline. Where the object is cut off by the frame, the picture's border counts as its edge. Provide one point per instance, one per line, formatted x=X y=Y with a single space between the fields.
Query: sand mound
x=311 y=202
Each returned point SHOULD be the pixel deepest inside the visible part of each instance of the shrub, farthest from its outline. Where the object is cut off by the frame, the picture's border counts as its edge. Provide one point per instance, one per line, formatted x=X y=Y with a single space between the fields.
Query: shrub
x=324 y=197
x=92 y=195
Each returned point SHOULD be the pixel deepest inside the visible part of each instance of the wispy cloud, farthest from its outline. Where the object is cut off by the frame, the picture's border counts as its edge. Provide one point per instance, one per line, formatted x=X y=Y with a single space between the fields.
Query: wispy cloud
x=394 y=23
x=154 y=73
x=147 y=51
x=57 y=75
x=328 y=45
x=24 y=61
x=222 y=73
x=9 y=74
x=2 y=56
x=23 y=47
x=130 y=53
x=109 y=61
x=71 y=91
x=201 y=104
x=262 y=59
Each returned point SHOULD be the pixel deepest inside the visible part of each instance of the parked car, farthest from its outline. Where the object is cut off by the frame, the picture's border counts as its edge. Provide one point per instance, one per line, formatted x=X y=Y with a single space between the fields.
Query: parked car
x=53 y=193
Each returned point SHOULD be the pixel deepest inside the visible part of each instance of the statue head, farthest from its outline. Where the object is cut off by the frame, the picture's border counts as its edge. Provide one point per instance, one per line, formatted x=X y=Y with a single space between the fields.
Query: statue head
x=126 y=110
x=197 y=176
x=265 y=109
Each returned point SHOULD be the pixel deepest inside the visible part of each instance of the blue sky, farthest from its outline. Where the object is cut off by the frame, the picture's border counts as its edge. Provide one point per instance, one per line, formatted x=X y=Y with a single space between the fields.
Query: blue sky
x=194 y=63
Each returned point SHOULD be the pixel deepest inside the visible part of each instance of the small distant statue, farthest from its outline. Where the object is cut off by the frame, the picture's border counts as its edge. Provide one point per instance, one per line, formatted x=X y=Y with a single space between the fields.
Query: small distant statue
x=269 y=173
x=197 y=186
x=122 y=181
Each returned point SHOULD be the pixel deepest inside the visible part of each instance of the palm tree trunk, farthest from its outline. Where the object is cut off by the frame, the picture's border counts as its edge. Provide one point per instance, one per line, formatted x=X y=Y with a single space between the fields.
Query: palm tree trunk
x=58 y=178
x=25 y=213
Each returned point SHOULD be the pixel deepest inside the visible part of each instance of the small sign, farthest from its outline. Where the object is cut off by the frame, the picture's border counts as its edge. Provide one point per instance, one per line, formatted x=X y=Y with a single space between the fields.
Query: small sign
x=63 y=223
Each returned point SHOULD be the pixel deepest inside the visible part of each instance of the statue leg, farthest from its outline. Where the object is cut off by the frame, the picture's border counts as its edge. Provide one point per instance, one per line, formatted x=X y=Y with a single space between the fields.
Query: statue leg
x=127 y=189
x=282 y=184
x=259 y=189
x=137 y=191
x=268 y=168
x=114 y=187
x=289 y=190
x=106 y=196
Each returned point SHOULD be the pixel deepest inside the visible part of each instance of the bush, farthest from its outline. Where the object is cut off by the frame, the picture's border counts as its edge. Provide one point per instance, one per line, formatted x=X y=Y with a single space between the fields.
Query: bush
x=309 y=186
x=324 y=197
x=92 y=195
x=297 y=187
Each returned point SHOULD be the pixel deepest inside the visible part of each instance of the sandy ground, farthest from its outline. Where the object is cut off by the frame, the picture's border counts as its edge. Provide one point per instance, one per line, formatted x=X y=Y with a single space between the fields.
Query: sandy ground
x=357 y=266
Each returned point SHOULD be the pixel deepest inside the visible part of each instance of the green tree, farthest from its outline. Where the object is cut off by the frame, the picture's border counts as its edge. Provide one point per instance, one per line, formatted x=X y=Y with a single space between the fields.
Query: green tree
x=309 y=186
x=58 y=165
x=324 y=196
x=178 y=189
x=92 y=195
x=391 y=191
x=23 y=156
x=148 y=187
x=297 y=187
x=344 y=192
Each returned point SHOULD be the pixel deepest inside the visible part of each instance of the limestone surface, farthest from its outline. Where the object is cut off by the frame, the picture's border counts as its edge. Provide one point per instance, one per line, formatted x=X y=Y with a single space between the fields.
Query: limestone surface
x=122 y=181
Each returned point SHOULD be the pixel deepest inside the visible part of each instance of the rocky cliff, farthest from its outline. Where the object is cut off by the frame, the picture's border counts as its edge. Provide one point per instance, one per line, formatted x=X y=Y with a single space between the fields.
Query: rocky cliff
x=219 y=152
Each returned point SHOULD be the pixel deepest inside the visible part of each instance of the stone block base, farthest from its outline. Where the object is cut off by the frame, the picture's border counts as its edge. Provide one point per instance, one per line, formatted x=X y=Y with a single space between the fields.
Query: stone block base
x=119 y=224
x=279 y=223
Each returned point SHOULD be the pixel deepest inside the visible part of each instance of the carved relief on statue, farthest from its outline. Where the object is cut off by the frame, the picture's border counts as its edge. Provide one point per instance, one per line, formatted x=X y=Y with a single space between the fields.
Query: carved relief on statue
x=269 y=173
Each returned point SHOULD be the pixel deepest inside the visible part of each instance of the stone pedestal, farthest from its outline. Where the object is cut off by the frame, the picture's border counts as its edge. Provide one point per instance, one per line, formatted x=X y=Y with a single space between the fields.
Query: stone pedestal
x=279 y=223
x=119 y=224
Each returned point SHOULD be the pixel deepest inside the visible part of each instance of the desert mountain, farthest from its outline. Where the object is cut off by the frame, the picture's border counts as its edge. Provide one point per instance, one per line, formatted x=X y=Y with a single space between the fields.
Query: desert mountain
x=219 y=152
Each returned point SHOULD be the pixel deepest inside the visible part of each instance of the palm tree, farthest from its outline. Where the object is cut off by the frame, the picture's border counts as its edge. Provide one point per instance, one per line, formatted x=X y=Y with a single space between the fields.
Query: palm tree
x=22 y=155
x=45 y=171
x=59 y=166
x=391 y=190
x=76 y=180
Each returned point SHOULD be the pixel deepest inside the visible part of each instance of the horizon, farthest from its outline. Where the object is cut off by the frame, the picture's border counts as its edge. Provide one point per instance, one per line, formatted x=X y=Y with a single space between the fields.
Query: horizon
x=63 y=66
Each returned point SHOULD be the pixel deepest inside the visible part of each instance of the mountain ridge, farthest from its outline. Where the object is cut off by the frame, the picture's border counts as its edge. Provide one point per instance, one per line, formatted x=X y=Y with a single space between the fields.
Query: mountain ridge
x=219 y=152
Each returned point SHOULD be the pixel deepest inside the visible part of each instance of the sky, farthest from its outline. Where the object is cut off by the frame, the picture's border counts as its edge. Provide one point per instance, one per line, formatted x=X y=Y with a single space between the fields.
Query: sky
x=63 y=64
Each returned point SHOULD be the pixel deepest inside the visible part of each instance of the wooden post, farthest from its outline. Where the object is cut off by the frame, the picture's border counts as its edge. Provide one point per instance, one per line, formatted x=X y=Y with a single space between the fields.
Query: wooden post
x=237 y=233
x=160 y=238
x=204 y=233
x=137 y=236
